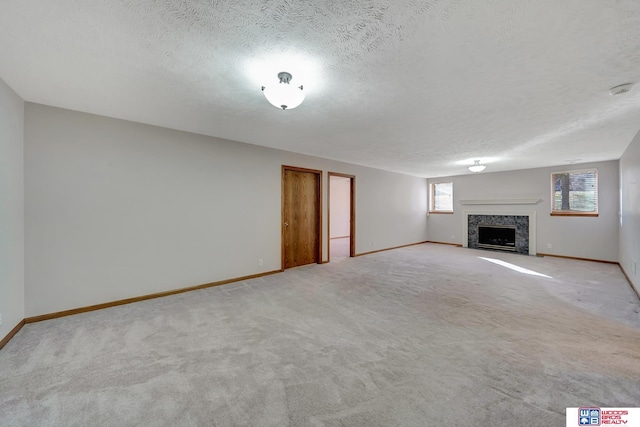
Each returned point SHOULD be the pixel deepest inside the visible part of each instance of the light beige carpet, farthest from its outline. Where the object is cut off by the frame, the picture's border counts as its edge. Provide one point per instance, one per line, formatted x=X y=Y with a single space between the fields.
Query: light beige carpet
x=339 y=248
x=427 y=335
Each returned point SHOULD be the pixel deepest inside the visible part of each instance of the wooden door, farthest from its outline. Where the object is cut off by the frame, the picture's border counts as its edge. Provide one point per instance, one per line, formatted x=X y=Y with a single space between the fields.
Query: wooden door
x=301 y=219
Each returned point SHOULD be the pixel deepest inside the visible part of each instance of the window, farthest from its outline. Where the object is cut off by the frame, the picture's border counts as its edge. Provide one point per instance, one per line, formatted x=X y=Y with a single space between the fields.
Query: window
x=575 y=193
x=441 y=197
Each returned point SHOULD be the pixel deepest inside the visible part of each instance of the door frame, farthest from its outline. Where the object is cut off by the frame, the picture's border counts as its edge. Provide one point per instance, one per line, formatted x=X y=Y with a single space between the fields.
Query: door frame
x=318 y=174
x=352 y=213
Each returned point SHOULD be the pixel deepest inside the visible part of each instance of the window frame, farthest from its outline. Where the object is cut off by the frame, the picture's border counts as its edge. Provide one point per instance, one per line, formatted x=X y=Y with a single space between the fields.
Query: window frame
x=593 y=213
x=432 y=198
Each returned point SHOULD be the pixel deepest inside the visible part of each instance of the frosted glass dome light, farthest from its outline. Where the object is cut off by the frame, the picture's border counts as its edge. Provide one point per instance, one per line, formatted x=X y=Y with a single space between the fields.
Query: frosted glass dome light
x=477 y=167
x=284 y=95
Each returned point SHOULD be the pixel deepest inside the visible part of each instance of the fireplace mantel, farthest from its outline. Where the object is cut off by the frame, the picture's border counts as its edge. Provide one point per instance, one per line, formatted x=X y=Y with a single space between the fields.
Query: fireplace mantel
x=500 y=202
x=530 y=214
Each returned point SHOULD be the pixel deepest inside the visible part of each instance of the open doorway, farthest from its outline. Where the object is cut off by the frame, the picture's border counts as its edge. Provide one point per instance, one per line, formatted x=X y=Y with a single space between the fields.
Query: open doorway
x=342 y=218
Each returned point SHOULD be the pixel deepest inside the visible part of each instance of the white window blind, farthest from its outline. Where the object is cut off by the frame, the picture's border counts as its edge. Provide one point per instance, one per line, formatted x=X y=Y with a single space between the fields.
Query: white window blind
x=441 y=197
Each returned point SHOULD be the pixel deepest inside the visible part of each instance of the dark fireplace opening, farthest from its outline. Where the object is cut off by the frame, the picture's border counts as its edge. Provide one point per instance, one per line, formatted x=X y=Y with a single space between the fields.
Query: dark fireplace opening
x=501 y=237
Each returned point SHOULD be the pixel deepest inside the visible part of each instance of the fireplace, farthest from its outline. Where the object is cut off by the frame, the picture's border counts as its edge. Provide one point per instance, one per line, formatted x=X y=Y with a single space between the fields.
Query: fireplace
x=497 y=237
x=504 y=231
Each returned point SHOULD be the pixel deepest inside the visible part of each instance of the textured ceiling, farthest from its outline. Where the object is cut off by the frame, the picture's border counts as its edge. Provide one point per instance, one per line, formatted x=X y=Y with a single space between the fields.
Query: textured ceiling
x=417 y=86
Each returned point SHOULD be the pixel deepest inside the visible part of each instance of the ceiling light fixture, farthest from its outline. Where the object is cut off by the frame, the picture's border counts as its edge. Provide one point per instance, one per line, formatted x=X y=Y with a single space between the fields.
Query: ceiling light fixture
x=476 y=167
x=620 y=89
x=284 y=95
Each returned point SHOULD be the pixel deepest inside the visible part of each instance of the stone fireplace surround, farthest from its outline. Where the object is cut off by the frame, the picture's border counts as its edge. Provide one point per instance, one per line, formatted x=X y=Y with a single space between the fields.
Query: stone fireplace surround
x=524 y=221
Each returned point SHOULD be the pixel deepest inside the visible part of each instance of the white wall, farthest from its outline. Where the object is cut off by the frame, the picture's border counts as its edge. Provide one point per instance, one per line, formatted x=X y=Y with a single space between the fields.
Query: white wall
x=630 y=208
x=11 y=209
x=582 y=237
x=340 y=207
x=115 y=209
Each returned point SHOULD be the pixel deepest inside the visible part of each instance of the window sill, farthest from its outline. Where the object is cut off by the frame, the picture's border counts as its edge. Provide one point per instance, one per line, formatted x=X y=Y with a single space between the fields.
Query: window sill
x=440 y=212
x=590 y=214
